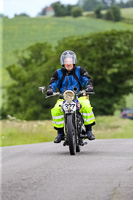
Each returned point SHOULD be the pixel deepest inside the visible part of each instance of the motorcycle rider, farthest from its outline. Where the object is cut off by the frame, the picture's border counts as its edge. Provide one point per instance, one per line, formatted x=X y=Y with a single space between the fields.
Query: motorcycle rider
x=66 y=78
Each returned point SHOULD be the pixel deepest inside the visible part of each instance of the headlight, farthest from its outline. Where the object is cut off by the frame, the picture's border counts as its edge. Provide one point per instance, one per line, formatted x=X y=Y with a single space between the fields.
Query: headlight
x=68 y=96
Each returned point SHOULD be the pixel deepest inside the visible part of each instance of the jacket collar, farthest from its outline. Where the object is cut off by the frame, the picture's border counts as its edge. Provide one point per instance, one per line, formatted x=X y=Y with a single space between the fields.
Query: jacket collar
x=71 y=72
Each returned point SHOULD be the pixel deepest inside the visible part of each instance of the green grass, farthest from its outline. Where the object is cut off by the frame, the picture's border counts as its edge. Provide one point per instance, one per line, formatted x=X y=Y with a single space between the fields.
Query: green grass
x=127 y=13
x=23 y=132
x=108 y=127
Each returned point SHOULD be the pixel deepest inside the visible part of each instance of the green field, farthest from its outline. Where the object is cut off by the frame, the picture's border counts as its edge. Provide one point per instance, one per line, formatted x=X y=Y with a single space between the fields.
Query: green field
x=22 y=132
x=127 y=13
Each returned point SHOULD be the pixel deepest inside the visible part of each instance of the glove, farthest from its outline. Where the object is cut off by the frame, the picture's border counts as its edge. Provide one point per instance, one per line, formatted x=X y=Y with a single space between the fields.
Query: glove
x=89 y=88
x=49 y=92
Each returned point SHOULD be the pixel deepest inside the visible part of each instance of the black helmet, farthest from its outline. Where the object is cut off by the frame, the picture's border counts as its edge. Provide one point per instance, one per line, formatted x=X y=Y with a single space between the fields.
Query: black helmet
x=68 y=54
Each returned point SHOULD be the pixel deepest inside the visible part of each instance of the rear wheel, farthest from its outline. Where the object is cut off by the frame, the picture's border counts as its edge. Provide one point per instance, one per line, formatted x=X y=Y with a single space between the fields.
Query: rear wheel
x=71 y=135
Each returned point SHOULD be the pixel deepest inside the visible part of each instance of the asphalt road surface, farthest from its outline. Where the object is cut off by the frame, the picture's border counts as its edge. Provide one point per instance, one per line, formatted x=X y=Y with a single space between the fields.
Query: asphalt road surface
x=103 y=170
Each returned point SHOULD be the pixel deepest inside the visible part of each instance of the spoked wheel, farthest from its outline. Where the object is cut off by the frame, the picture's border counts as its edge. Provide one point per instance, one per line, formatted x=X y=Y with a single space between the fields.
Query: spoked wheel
x=71 y=135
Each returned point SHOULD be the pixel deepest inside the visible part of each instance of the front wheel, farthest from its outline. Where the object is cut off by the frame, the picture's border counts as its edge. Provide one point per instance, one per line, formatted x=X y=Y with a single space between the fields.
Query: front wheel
x=71 y=134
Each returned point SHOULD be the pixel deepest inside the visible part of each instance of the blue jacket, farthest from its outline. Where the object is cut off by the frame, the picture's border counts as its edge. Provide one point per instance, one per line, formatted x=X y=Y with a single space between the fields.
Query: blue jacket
x=64 y=80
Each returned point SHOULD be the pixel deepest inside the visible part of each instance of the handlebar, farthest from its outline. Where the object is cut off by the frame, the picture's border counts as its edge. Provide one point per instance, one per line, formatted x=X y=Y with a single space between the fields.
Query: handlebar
x=42 y=89
x=84 y=92
x=54 y=94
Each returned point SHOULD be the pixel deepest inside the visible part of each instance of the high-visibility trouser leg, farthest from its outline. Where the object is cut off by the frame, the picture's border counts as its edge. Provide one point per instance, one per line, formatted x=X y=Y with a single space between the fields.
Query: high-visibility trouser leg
x=86 y=111
x=58 y=115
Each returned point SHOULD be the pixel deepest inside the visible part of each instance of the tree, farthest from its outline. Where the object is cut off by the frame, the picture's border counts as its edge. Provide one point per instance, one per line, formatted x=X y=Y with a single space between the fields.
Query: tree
x=62 y=10
x=116 y=13
x=113 y=14
x=59 y=9
x=76 y=11
x=113 y=2
x=33 y=69
x=126 y=4
x=69 y=9
x=98 y=12
x=43 y=12
x=89 y=5
x=105 y=2
x=21 y=15
x=109 y=15
x=129 y=3
x=108 y=3
x=108 y=57
x=121 y=4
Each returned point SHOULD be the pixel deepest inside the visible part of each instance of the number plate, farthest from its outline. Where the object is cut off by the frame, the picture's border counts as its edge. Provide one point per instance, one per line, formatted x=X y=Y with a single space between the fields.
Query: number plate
x=130 y=114
x=69 y=106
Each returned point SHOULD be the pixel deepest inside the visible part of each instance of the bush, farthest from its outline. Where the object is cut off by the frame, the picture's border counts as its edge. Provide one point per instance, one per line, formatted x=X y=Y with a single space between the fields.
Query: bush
x=109 y=15
x=76 y=11
x=113 y=14
x=116 y=13
x=98 y=12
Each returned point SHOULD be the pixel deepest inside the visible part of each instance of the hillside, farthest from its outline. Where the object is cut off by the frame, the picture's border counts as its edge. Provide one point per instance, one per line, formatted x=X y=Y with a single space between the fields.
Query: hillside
x=19 y=33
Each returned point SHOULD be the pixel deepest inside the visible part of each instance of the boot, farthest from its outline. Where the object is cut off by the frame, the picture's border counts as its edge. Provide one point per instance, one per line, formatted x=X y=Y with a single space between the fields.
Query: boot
x=60 y=135
x=90 y=135
x=89 y=132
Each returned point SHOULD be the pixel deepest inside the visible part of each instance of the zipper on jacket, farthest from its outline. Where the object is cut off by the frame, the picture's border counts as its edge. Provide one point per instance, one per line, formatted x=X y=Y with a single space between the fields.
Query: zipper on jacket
x=67 y=82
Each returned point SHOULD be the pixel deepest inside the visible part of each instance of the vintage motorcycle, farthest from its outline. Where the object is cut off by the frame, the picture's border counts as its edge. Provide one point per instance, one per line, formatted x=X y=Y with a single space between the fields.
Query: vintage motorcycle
x=74 y=125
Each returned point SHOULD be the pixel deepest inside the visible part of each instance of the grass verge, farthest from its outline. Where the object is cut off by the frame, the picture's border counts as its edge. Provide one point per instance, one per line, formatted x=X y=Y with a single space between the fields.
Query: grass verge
x=109 y=127
x=26 y=132
x=29 y=132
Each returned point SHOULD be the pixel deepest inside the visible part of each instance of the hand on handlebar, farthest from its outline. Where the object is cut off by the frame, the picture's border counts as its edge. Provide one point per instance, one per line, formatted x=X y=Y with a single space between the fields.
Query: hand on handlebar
x=49 y=92
x=89 y=88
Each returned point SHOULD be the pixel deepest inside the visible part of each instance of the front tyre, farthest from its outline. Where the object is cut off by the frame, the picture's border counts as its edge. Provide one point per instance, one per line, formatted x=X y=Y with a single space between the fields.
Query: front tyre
x=71 y=135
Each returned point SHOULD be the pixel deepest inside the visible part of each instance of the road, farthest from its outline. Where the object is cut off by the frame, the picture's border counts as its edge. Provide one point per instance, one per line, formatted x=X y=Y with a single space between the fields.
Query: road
x=103 y=170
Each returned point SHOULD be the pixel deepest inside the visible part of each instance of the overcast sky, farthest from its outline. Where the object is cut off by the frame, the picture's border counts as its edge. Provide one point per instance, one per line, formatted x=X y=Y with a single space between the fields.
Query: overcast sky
x=31 y=7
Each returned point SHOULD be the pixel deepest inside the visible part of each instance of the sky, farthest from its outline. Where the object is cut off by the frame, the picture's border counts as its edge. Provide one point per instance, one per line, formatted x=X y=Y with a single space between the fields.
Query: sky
x=30 y=7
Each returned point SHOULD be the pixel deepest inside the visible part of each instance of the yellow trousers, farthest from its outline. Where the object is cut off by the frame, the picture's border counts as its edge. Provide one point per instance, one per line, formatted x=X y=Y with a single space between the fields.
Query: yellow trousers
x=86 y=112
